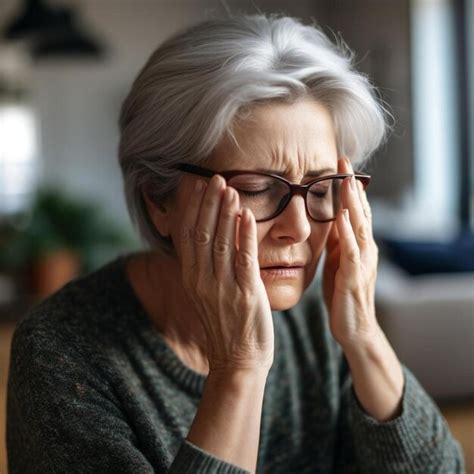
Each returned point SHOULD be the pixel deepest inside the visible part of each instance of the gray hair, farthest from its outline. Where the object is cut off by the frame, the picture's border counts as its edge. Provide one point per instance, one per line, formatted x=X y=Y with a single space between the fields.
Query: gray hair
x=198 y=83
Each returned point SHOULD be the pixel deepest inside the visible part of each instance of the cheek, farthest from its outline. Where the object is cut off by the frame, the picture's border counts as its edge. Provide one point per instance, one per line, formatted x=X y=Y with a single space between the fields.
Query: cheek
x=318 y=238
x=262 y=231
x=317 y=242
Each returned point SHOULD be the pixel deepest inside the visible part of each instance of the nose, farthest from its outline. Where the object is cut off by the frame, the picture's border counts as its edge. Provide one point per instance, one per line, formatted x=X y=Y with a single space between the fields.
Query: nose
x=292 y=223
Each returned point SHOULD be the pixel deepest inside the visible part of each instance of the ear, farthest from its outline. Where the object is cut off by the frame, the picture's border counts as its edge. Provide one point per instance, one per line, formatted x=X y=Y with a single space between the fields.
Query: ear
x=159 y=213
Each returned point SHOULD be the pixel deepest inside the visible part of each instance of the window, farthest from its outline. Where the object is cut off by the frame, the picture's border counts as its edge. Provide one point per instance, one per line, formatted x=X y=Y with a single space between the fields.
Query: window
x=18 y=156
x=435 y=89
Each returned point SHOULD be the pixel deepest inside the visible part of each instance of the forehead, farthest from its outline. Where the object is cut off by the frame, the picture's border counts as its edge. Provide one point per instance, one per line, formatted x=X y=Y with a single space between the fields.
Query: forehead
x=293 y=139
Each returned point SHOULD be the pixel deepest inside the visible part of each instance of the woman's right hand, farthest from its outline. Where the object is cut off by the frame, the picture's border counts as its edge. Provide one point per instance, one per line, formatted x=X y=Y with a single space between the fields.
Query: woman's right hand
x=222 y=278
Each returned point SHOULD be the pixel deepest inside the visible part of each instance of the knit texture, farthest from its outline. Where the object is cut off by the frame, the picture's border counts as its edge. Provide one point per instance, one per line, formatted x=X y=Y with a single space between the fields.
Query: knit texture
x=94 y=388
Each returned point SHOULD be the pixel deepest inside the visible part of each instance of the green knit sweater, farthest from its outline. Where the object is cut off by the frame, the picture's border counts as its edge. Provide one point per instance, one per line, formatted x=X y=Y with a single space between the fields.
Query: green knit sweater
x=94 y=388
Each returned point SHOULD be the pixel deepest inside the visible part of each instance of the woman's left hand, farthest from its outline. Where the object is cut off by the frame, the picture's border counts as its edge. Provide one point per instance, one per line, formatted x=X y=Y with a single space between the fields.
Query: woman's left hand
x=349 y=278
x=350 y=269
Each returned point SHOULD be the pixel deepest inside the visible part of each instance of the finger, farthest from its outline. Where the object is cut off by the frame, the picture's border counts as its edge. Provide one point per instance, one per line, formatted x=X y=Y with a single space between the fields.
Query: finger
x=186 y=237
x=350 y=252
x=237 y=232
x=224 y=242
x=346 y=167
x=365 y=202
x=372 y=249
x=340 y=165
x=351 y=201
x=247 y=268
x=206 y=227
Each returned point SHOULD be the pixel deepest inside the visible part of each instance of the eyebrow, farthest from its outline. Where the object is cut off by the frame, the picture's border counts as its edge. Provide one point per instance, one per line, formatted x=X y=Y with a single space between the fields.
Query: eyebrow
x=315 y=173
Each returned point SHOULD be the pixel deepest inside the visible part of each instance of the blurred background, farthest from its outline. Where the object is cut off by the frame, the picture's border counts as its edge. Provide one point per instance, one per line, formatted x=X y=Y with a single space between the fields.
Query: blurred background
x=66 y=66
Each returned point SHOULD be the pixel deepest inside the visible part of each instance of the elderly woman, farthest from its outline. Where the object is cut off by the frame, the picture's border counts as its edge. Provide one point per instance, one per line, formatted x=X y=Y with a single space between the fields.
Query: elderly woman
x=222 y=348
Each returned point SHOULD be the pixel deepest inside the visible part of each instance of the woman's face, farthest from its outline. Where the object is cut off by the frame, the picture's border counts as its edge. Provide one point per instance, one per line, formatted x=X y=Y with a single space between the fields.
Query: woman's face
x=295 y=140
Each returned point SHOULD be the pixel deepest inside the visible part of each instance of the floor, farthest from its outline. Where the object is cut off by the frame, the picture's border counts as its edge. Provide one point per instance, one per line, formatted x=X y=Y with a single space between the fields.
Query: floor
x=6 y=331
x=460 y=415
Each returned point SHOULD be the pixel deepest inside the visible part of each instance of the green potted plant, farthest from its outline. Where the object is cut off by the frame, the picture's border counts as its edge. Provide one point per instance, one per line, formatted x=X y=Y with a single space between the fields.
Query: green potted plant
x=56 y=240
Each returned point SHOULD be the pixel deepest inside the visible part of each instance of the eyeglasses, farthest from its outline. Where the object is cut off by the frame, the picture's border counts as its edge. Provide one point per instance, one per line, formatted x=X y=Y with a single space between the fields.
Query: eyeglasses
x=267 y=195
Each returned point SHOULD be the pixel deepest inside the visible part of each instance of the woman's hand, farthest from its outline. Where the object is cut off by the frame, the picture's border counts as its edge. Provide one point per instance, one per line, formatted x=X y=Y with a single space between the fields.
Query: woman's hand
x=221 y=275
x=351 y=267
x=349 y=289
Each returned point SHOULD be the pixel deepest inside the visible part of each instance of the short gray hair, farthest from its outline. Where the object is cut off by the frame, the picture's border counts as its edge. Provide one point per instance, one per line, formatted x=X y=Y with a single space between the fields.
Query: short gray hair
x=197 y=84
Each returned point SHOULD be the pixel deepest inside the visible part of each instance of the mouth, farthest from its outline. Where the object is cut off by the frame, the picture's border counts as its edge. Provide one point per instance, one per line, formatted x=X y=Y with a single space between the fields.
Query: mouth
x=283 y=266
x=282 y=272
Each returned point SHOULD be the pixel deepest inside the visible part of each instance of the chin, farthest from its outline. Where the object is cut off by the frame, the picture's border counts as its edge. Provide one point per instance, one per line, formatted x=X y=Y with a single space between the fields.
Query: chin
x=283 y=297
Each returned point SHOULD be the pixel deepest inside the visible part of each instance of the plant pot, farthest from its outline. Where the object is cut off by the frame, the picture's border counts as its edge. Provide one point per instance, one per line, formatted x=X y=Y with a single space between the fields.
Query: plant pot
x=52 y=271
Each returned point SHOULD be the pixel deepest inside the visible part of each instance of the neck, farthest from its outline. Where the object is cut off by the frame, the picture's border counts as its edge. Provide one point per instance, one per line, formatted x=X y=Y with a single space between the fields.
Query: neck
x=157 y=282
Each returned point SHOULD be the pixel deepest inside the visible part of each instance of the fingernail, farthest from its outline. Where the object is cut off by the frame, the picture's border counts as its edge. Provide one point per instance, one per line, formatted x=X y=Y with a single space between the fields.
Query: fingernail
x=353 y=183
x=346 y=215
x=199 y=186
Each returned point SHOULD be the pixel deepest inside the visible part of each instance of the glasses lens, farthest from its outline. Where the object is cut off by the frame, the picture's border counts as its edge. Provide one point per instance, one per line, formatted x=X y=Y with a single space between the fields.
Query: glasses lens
x=324 y=199
x=265 y=196
x=261 y=194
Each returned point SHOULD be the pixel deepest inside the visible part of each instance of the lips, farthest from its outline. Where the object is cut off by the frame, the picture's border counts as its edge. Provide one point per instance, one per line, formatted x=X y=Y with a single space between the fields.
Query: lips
x=296 y=265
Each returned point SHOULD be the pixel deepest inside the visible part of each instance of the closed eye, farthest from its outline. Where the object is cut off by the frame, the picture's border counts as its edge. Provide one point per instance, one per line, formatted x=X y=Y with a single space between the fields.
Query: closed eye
x=252 y=193
x=319 y=194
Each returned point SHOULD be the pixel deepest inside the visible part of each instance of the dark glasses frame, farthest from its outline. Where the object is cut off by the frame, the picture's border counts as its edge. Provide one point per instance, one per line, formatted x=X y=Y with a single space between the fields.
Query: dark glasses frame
x=295 y=189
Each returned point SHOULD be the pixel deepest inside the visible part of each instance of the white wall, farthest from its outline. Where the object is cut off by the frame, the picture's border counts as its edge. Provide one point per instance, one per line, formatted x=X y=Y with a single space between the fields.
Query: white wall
x=78 y=102
x=436 y=148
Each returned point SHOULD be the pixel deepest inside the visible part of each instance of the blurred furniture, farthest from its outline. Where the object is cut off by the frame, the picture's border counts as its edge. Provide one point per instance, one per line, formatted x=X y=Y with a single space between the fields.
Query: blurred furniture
x=429 y=320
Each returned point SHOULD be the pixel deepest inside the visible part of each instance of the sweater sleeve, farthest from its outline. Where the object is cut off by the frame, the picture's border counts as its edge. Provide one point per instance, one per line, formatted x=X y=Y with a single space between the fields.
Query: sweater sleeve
x=192 y=459
x=62 y=416
x=417 y=441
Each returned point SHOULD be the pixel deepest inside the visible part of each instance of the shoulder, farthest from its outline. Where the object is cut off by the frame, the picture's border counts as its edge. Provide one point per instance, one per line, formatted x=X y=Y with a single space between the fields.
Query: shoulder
x=85 y=314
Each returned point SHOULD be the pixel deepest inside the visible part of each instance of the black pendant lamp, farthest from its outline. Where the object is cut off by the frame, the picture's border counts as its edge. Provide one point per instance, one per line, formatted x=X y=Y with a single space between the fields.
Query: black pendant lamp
x=67 y=40
x=52 y=32
x=34 y=19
